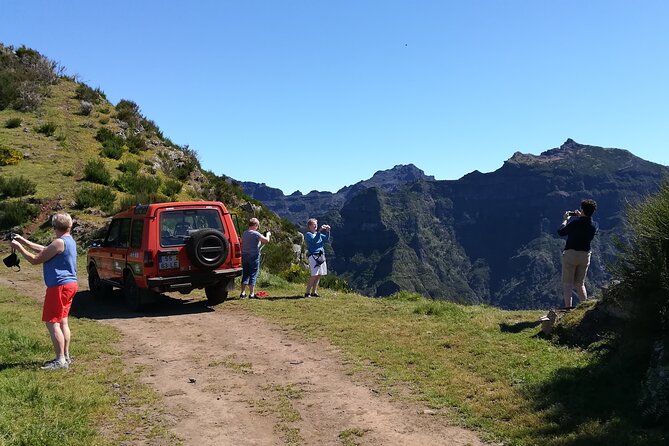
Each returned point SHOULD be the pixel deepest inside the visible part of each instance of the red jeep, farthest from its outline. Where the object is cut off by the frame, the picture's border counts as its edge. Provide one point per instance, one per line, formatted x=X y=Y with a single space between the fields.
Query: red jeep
x=167 y=247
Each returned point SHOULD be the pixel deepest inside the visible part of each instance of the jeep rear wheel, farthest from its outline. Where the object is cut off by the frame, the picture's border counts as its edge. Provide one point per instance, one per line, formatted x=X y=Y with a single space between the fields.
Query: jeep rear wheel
x=207 y=249
x=95 y=284
x=216 y=294
x=132 y=293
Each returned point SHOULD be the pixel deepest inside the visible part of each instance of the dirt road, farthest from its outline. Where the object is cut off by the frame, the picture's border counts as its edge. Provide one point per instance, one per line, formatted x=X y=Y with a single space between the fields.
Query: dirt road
x=230 y=378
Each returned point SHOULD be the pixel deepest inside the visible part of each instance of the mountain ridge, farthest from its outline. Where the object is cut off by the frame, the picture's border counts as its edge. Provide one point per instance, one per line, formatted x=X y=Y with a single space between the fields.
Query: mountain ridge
x=488 y=237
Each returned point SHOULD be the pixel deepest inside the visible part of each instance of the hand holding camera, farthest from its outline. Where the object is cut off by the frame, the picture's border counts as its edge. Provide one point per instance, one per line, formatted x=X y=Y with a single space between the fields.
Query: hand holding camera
x=325 y=228
x=569 y=214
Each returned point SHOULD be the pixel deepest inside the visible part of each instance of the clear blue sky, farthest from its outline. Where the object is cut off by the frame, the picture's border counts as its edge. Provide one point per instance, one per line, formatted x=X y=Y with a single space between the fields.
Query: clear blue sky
x=321 y=94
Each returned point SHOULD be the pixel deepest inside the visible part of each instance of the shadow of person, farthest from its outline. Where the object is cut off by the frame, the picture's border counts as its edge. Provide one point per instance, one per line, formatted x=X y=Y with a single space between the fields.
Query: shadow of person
x=87 y=304
x=21 y=365
x=300 y=296
x=518 y=326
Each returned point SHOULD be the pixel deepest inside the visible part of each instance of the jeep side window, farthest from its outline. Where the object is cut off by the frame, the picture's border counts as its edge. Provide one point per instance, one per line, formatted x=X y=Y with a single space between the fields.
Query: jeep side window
x=119 y=233
x=136 y=234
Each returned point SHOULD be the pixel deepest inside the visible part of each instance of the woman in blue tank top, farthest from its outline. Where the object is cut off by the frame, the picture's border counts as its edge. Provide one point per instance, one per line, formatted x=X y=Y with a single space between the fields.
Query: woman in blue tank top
x=59 y=263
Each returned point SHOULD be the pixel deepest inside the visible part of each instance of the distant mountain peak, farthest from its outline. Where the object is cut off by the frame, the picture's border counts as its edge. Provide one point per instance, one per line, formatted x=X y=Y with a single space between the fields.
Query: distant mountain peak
x=405 y=172
x=570 y=144
x=567 y=150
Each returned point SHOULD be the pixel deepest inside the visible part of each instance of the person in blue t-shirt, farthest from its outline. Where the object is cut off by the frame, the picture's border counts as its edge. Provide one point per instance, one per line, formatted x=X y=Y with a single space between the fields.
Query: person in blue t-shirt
x=59 y=262
x=317 y=266
x=251 y=241
x=580 y=229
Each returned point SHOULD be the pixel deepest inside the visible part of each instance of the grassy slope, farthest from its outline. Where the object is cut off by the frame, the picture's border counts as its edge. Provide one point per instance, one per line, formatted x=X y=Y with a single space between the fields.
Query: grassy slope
x=53 y=158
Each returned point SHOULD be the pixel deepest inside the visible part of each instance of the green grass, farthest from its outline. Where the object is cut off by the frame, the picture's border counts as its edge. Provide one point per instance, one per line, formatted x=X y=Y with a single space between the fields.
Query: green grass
x=277 y=402
x=480 y=367
x=70 y=407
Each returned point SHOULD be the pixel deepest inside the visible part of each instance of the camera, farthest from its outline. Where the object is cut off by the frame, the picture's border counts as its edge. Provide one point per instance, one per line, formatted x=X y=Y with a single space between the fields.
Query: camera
x=9 y=236
x=572 y=213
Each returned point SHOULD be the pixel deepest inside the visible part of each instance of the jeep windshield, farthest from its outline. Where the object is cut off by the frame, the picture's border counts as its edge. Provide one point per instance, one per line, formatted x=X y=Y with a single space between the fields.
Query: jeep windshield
x=176 y=226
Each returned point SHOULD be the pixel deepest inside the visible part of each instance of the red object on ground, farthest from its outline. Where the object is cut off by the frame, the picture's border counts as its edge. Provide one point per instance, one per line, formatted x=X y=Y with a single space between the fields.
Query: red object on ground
x=262 y=294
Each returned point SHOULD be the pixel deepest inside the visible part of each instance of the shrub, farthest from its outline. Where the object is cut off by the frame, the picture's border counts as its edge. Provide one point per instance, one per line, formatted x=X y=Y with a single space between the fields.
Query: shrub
x=48 y=129
x=269 y=280
x=88 y=94
x=17 y=187
x=104 y=134
x=104 y=120
x=128 y=111
x=104 y=110
x=95 y=196
x=24 y=78
x=151 y=127
x=85 y=108
x=9 y=156
x=172 y=187
x=135 y=143
x=295 y=273
x=643 y=264
x=430 y=308
x=16 y=212
x=95 y=171
x=276 y=257
x=141 y=198
x=129 y=166
x=13 y=123
x=335 y=283
x=137 y=183
x=112 y=148
x=406 y=296
x=181 y=165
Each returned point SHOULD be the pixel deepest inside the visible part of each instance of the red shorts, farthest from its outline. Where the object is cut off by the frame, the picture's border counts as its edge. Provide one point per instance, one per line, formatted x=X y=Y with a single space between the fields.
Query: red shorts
x=58 y=301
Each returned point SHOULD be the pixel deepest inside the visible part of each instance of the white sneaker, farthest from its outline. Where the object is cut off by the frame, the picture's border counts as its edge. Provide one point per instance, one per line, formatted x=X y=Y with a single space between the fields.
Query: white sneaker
x=55 y=364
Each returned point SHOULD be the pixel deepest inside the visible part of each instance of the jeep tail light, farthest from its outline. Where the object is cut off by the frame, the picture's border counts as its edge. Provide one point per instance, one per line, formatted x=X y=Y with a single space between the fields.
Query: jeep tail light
x=238 y=250
x=148 y=258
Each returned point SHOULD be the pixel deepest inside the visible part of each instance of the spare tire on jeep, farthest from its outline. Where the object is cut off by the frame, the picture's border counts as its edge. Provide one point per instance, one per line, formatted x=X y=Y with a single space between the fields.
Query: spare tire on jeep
x=207 y=248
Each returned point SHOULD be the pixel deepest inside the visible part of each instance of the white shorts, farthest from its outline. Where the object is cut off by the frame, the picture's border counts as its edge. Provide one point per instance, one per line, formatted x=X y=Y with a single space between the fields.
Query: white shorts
x=317 y=270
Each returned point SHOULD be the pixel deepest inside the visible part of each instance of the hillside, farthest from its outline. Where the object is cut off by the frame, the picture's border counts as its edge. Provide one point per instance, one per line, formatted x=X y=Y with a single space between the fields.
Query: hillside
x=68 y=147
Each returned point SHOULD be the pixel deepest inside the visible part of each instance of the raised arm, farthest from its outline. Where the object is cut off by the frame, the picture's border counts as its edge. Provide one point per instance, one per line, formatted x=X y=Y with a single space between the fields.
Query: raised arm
x=44 y=255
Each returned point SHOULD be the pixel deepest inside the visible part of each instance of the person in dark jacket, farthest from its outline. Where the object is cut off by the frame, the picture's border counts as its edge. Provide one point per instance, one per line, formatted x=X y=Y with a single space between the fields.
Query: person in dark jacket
x=580 y=229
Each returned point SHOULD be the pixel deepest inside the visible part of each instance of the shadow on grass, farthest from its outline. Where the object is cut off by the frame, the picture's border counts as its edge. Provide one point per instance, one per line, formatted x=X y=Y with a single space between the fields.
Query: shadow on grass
x=518 y=327
x=300 y=296
x=596 y=405
x=26 y=365
x=88 y=305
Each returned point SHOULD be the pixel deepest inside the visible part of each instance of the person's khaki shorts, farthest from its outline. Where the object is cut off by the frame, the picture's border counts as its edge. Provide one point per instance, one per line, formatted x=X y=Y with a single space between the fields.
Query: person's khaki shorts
x=575 y=266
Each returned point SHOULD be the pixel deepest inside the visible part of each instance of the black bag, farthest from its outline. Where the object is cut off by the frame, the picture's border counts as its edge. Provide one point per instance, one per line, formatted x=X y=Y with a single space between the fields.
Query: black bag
x=12 y=260
x=319 y=258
